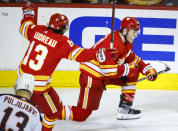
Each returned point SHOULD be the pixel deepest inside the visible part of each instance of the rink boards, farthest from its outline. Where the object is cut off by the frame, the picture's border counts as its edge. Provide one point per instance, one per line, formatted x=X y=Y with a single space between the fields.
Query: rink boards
x=70 y=79
x=157 y=39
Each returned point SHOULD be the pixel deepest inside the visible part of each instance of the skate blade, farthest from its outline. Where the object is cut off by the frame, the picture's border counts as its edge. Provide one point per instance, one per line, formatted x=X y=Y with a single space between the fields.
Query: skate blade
x=127 y=117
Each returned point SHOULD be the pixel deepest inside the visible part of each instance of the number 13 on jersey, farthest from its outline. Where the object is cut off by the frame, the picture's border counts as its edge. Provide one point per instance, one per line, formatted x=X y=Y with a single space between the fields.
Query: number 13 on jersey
x=39 y=57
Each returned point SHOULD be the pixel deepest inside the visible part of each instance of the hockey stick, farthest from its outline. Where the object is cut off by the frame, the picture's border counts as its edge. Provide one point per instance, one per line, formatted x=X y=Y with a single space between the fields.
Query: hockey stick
x=112 y=28
x=167 y=68
x=113 y=21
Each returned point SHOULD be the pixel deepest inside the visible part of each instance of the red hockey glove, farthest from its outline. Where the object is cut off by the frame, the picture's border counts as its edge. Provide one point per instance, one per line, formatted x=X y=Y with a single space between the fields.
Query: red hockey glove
x=106 y=54
x=128 y=70
x=150 y=72
x=28 y=9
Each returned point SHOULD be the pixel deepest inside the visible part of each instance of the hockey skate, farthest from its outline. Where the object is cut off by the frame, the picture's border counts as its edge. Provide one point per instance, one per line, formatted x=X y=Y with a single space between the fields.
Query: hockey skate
x=125 y=112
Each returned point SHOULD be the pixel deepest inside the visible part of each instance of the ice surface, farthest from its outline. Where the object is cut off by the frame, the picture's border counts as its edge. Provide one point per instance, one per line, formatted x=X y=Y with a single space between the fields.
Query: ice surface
x=159 y=111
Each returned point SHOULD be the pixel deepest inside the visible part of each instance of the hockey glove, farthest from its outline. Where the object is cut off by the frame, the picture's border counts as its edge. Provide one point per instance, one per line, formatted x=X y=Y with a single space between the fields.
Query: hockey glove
x=150 y=72
x=105 y=54
x=28 y=9
x=128 y=70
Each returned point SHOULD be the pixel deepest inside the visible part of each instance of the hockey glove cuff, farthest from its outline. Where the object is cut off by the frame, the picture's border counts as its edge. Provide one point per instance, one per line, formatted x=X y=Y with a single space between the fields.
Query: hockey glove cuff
x=150 y=72
x=105 y=55
x=28 y=10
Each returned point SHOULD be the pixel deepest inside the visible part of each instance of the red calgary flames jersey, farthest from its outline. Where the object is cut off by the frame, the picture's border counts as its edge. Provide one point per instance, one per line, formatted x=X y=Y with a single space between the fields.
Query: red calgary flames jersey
x=125 y=55
x=45 y=51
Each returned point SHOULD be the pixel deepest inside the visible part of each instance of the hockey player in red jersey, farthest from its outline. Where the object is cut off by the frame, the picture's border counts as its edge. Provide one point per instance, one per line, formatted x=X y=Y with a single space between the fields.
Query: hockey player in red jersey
x=123 y=72
x=47 y=47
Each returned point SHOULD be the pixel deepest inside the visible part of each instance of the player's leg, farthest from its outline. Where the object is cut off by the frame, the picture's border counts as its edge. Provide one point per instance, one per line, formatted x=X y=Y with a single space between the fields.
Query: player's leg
x=49 y=104
x=128 y=90
x=90 y=95
x=125 y=110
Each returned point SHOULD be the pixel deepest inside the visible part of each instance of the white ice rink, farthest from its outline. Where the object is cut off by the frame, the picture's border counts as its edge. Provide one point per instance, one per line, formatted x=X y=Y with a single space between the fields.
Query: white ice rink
x=159 y=111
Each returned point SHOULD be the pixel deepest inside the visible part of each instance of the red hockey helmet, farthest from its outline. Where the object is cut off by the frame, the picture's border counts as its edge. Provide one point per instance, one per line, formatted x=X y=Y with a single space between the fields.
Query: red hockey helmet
x=57 y=21
x=130 y=23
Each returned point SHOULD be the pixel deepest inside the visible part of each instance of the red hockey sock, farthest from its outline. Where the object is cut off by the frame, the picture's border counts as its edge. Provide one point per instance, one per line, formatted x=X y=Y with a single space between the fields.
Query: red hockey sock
x=74 y=113
x=46 y=129
x=80 y=114
x=128 y=97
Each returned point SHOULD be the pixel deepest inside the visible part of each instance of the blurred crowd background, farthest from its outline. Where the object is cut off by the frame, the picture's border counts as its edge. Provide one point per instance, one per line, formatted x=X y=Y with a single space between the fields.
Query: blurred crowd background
x=130 y=2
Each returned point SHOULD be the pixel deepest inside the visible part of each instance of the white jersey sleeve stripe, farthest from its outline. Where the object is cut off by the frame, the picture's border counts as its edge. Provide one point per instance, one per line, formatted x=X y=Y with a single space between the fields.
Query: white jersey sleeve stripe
x=25 y=28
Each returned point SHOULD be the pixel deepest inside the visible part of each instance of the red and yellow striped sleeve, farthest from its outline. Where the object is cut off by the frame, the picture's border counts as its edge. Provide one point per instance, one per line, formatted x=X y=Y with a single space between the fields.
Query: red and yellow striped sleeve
x=26 y=24
x=82 y=55
x=98 y=70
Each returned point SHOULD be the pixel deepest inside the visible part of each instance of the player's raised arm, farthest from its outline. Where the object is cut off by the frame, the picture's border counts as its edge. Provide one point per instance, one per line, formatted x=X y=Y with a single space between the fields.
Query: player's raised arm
x=27 y=23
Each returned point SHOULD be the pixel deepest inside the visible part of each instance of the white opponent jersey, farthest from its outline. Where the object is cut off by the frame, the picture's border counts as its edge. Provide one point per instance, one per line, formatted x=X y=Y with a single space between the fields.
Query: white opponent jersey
x=18 y=114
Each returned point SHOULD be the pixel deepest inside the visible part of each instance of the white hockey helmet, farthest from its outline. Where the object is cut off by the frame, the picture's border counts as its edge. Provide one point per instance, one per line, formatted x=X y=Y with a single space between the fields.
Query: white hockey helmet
x=25 y=82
